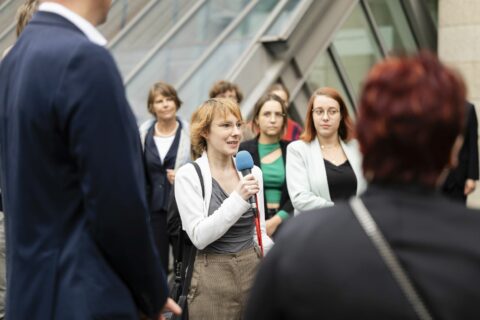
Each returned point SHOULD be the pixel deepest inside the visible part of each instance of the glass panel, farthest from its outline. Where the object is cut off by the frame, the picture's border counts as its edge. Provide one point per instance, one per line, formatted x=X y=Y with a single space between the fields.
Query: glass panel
x=324 y=74
x=356 y=47
x=142 y=37
x=121 y=12
x=390 y=18
x=182 y=50
x=221 y=61
x=7 y=39
x=432 y=6
x=281 y=23
x=8 y=13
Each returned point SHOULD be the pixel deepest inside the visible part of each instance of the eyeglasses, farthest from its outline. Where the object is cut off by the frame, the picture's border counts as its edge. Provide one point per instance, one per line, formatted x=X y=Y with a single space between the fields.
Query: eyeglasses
x=277 y=115
x=331 y=112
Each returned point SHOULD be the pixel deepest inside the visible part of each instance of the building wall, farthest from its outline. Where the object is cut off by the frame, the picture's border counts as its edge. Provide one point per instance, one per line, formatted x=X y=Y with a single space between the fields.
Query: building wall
x=459 y=46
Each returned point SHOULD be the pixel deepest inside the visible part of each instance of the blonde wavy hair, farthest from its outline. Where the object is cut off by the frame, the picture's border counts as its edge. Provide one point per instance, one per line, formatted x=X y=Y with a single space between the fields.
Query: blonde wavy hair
x=203 y=117
x=24 y=14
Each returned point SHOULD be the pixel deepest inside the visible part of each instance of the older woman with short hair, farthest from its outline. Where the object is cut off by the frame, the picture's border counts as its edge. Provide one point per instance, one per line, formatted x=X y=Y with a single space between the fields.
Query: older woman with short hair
x=325 y=165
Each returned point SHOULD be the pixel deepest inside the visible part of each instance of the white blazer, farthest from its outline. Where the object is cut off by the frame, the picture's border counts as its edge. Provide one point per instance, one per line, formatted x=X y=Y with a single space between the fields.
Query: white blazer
x=306 y=176
x=201 y=228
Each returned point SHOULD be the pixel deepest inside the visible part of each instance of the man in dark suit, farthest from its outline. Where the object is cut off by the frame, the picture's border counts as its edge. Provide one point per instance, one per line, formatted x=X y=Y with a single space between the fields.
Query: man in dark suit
x=78 y=240
x=325 y=266
x=461 y=181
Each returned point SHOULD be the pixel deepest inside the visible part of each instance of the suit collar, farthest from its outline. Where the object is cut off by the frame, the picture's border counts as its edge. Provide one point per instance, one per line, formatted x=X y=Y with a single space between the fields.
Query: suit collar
x=78 y=21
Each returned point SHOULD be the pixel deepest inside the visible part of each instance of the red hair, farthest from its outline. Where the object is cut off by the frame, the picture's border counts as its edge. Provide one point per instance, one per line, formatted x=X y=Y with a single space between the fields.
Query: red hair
x=345 y=130
x=410 y=113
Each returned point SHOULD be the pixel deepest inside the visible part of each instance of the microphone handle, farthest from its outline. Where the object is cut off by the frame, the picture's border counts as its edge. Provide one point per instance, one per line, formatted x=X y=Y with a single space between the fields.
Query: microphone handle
x=252 y=201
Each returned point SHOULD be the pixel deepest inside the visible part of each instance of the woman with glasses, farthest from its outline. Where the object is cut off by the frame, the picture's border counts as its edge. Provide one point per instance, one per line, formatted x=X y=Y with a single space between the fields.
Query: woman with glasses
x=269 y=153
x=324 y=166
x=220 y=224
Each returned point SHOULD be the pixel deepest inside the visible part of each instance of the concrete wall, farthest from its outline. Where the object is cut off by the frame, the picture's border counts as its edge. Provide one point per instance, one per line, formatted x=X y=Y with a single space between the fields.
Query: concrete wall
x=459 y=46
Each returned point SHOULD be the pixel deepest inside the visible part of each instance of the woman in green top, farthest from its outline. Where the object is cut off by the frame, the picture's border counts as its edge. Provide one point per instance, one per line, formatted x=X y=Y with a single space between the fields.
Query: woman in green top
x=269 y=153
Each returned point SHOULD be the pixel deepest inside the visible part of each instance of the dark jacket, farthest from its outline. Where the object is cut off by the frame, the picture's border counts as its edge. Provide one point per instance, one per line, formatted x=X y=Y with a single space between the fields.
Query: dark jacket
x=252 y=147
x=73 y=187
x=323 y=265
x=467 y=158
x=159 y=188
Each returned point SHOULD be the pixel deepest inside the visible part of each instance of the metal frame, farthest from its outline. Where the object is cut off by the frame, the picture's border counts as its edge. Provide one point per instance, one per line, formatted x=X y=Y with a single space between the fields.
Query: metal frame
x=343 y=76
x=164 y=40
x=131 y=24
x=421 y=24
x=218 y=41
x=372 y=24
x=271 y=59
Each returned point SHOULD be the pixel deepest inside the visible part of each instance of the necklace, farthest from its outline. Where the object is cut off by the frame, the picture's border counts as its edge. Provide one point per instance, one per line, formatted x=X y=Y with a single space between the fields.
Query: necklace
x=329 y=147
x=158 y=133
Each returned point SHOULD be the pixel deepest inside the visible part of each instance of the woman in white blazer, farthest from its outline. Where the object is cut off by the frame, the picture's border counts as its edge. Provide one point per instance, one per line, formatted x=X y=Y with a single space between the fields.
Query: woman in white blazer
x=221 y=225
x=325 y=165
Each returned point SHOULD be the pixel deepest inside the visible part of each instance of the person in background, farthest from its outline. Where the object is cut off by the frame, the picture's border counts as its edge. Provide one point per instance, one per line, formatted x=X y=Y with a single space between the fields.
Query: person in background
x=226 y=89
x=461 y=180
x=325 y=165
x=72 y=178
x=329 y=266
x=293 y=129
x=166 y=147
x=220 y=225
x=24 y=14
x=269 y=153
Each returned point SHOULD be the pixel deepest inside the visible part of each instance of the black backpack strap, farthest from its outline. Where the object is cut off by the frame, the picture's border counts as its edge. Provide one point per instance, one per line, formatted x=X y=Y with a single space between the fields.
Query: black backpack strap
x=187 y=270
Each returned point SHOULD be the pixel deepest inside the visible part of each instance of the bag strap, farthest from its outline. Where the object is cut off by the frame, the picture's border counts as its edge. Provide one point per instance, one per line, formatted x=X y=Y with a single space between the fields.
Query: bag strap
x=374 y=233
x=193 y=251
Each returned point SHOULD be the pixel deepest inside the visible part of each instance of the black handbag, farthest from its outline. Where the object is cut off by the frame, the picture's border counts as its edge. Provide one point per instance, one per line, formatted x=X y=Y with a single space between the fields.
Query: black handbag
x=184 y=260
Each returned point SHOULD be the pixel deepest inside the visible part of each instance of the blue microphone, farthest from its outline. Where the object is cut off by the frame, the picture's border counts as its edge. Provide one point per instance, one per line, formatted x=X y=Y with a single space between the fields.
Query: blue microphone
x=244 y=163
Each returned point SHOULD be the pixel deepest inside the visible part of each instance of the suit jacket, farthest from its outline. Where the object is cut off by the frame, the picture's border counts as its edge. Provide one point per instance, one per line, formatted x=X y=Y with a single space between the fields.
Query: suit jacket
x=323 y=266
x=467 y=158
x=306 y=176
x=79 y=245
x=252 y=147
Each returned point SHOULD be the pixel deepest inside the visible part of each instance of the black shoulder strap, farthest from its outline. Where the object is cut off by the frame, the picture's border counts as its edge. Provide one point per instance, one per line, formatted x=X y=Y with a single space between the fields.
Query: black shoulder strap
x=188 y=265
x=199 y=172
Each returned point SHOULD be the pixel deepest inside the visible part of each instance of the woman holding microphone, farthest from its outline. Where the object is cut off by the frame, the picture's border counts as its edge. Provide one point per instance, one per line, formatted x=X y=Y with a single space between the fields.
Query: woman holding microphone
x=221 y=225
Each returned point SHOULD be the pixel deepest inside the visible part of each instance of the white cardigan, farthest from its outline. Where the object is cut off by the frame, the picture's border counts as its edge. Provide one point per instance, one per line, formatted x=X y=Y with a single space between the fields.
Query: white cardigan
x=306 y=176
x=201 y=228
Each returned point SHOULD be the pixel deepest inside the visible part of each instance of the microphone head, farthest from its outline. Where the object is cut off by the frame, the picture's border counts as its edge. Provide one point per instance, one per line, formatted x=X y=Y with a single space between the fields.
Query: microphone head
x=244 y=160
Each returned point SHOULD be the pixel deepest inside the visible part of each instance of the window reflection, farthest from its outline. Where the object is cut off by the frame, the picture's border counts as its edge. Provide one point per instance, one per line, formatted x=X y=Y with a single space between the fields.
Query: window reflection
x=356 y=47
x=394 y=29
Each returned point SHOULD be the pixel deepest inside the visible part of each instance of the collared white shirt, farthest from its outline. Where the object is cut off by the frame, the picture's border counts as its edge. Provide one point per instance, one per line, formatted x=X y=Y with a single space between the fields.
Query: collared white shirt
x=81 y=23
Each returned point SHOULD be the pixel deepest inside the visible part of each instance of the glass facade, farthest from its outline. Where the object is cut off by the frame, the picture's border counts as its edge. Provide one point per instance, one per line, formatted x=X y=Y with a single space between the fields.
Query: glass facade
x=393 y=26
x=193 y=43
x=356 y=47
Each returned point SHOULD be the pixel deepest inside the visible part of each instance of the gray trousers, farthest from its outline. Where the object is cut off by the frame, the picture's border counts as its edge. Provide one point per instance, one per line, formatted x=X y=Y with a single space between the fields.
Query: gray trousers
x=221 y=283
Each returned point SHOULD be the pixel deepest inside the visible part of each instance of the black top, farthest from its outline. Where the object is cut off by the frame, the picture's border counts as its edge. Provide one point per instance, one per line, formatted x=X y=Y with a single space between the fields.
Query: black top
x=323 y=265
x=342 y=182
x=158 y=187
x=467 y=158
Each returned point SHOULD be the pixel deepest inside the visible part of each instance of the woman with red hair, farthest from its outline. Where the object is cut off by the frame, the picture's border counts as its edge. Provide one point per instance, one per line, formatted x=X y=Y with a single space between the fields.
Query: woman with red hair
x=325 y=165
x=401 y=250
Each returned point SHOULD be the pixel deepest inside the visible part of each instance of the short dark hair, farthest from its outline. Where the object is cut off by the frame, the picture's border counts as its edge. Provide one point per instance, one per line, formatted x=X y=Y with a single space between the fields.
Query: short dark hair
x=345 y=130
x=223 y=86
x=279 y=87
x=411 y=112
x=165 y=90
